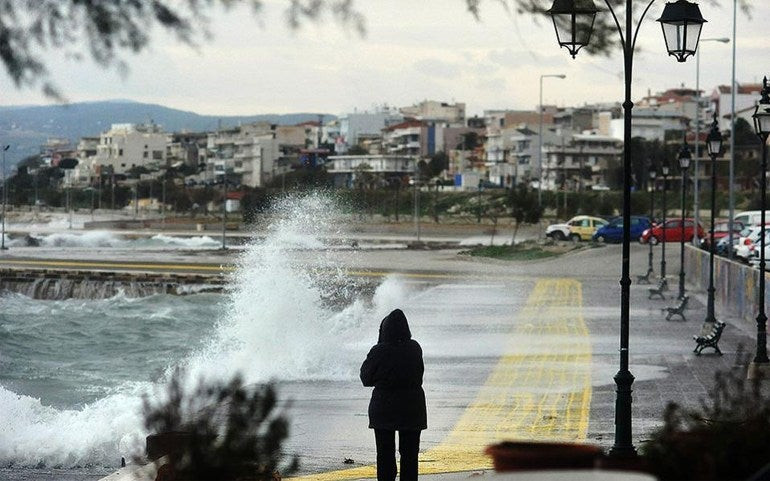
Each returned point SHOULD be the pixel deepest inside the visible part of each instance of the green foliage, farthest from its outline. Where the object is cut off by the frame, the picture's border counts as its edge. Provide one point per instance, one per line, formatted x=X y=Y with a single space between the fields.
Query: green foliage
x=235 y=432
x=111 y=29
x=727 y=437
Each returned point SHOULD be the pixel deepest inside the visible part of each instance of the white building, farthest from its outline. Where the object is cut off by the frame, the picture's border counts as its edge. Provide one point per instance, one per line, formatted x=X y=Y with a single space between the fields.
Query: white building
x=249 y=152
x=345 y=169
x=126 y=146
x=650 y=124
x=357 y=126
x=578 y=162
x=746 y=97
x=431 y=110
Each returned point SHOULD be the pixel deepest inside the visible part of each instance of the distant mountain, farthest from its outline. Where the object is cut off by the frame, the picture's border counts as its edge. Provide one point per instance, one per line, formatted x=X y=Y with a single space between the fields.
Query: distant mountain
x=26 y=128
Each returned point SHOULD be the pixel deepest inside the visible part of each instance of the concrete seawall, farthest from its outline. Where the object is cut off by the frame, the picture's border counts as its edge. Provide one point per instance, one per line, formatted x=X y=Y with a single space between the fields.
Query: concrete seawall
x=57 y=284
x=735 y=284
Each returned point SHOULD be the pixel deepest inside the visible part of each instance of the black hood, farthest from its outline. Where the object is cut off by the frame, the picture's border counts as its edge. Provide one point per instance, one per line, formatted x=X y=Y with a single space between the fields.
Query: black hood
x=394 y=328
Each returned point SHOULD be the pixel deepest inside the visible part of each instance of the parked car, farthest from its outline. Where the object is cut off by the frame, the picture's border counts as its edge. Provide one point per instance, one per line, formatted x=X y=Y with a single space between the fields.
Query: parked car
x=744 y=248
x=613 y=231
x=672 y=232
x=755 y=249
x=580 y=227
x=749 y=217
x=721 y=230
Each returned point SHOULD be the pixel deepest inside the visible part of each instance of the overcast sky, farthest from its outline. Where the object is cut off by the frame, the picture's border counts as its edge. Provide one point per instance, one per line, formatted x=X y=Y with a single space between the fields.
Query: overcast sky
x=413 y=50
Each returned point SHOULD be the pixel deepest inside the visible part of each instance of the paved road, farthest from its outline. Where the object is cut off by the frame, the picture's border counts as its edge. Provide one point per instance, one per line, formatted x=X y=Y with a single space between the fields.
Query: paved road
x=513 y=351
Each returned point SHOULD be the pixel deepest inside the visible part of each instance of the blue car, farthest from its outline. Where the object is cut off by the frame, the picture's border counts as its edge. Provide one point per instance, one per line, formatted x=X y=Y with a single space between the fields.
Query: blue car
x=613 y=231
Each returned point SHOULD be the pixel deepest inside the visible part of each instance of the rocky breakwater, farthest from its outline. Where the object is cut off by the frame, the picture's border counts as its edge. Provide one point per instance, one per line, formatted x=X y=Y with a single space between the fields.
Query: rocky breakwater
x=57 y=284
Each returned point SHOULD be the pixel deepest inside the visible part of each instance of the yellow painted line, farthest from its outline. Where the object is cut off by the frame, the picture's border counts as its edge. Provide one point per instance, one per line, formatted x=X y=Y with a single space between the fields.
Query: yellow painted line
x=231 y=268
x=118 y=265
x=539 y=390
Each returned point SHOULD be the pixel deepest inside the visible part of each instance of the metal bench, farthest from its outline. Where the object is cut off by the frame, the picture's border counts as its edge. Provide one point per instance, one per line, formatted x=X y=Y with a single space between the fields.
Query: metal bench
x=658 y=291
x=677 y=310
x=645 y=279
x=710 y=340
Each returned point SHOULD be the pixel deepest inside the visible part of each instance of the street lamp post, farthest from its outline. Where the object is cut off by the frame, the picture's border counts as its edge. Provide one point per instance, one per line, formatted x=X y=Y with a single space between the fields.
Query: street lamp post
x=650 y=269
x=540 y=139
x=681 y=23
x=5 y=200
x=478 y=203
x=762 y=129
x=684 y=164
x=714 y=146
x=696 y=167
x=663 y=280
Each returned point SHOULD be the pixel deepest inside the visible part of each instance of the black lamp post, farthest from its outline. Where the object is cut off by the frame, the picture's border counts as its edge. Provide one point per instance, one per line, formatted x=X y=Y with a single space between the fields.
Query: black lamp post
x=681 y=22
x=684 y=164
x=714 y=147
x=762 y=129
x=650 y=269
x=663 y=281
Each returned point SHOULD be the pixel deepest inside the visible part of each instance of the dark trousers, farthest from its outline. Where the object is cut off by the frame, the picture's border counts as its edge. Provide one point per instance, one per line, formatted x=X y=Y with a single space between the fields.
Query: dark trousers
x=408 y=447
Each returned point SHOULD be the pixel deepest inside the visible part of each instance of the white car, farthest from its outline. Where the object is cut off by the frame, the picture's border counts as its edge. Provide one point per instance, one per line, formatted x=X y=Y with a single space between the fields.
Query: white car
x=746 y=245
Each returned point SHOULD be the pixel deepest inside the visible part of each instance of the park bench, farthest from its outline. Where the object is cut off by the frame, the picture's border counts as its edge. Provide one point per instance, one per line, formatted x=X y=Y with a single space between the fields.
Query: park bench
x=658 y=291
x=645 y=279
x=677 y=310
x=711 y=339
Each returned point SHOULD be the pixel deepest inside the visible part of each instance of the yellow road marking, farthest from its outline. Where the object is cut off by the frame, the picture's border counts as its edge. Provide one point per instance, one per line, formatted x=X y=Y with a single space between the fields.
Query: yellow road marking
x=231 y=268
x=539 y=390
x=119 y=265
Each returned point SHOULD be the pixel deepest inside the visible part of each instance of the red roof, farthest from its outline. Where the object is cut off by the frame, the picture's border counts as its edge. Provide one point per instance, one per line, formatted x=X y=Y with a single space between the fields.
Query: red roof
x=236 y=195
x=742 y=88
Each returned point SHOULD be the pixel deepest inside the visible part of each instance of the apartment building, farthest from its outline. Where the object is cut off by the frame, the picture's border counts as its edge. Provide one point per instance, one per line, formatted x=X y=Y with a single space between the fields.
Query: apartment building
x=126 y=146
x=356 y=127
x=576 y=162
x=249 y=153
x=346 y=170
x=431 y=110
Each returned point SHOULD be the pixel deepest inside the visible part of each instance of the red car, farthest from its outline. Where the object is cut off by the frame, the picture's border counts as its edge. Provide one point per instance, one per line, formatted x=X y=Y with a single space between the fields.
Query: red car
x=672 y=232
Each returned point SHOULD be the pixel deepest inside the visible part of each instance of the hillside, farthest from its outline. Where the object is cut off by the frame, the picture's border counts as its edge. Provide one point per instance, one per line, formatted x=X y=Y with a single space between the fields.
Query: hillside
x=25 y=128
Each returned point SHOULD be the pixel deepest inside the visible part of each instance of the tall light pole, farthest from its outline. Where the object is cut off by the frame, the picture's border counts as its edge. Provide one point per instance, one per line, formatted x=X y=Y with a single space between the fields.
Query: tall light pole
x=684 y=164
x=714 y=146
x=762 y=129
x=731 y=167
x=5 y=200
x=681 y=23
x=663 y=280
x=696 y=169
x=540 y=139
x=650 y=269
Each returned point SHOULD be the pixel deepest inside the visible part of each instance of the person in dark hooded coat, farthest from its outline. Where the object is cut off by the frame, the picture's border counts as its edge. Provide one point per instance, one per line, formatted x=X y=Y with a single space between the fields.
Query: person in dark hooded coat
x=394 y=367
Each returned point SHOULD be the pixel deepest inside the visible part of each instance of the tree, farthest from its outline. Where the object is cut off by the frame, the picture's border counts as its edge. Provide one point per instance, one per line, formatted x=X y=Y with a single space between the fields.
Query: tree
x=116 y=27
x=227 y=431
x=438 y=163
x=524 y=207
x=357 y=150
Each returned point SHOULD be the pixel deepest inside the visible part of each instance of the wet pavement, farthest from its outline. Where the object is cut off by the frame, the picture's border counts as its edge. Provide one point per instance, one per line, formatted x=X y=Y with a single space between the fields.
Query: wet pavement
x=513 y=350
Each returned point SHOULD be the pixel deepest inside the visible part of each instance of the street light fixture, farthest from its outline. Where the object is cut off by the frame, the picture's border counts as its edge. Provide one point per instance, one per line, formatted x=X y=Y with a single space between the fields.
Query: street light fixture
x=681 y=22
x=652 y=174
x=714 y=146
x=696 y=166
x=5 y=200
x=684 y=164
x=664 y=169
x=540 y=140
x=762 y=129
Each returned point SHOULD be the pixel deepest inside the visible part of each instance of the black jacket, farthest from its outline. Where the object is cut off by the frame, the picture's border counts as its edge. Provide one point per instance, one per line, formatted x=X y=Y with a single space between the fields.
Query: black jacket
x=395 y=368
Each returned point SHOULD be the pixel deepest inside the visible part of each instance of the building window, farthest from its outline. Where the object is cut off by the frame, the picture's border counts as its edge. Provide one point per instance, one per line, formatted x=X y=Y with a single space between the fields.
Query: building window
x=146 y=154
x=157 y=155
x=120 y=152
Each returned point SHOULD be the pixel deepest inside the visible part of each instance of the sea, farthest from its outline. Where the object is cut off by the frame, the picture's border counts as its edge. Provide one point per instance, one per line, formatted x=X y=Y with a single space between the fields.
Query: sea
x=73 y=373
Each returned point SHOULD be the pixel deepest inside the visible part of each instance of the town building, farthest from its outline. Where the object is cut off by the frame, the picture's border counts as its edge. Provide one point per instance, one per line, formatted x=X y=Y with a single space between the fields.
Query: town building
x=128 y=146
x=358 y=127
x=348 y=170
x=576 y=162
x=434 y=111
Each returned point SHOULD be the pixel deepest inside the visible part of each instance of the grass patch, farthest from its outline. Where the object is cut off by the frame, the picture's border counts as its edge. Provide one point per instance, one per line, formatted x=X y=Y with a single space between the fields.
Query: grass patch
x=526 y=251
